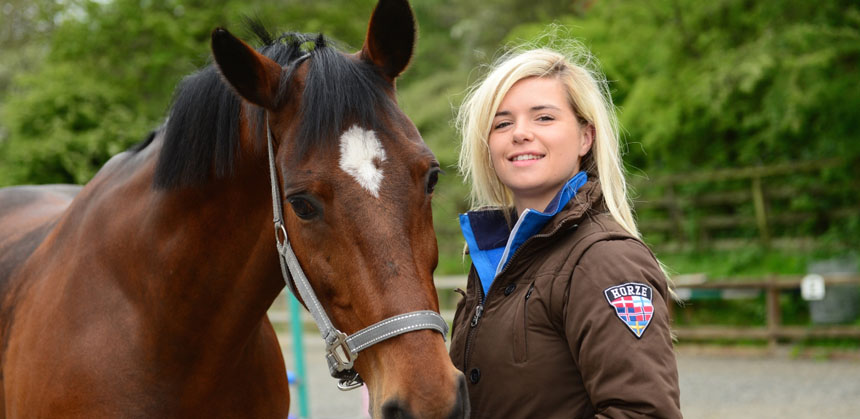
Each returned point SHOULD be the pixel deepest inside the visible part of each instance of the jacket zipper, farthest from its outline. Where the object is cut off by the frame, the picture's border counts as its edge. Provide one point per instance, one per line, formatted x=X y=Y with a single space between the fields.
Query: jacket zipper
x=479 y=309
x=523 y=348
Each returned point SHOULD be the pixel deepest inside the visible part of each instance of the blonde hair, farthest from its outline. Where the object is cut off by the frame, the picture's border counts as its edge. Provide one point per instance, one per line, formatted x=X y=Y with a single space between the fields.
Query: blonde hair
x=588 y=94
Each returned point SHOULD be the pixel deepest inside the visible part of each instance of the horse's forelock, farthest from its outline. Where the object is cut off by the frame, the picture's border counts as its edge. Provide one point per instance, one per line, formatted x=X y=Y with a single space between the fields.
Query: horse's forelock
x=201 y=135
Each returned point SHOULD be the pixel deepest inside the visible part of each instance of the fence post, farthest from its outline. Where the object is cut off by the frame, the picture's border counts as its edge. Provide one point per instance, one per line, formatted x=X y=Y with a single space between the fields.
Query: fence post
x=299 y=349
x=774 y=316
x=760 y=210
x=675 y=213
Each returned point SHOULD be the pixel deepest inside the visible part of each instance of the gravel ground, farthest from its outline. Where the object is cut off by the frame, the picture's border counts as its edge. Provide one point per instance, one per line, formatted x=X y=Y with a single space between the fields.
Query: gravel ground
x=749 y=385
x=324 y=398
x=714 y=384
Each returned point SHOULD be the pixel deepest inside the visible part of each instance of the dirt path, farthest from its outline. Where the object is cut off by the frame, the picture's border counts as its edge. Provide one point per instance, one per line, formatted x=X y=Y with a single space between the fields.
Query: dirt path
x=714 y=384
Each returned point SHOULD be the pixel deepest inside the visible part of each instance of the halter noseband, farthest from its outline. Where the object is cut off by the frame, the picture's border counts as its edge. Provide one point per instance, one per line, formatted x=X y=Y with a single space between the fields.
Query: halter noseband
x=341 y=350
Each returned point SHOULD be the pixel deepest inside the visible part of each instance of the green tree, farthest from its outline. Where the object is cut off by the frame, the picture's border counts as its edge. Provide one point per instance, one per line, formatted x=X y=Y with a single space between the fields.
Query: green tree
x=698 y=84
x=734 y=83
x=730 y=82
x=110 y=69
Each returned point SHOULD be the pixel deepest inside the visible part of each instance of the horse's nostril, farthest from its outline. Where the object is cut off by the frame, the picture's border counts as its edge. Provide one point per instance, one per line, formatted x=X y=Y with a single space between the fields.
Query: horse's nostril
x=461 y=407
x=393 y=409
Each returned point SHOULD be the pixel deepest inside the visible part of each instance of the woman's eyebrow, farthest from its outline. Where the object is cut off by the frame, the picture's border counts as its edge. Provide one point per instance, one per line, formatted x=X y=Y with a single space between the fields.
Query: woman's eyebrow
x=532 y=109
x=543 y=107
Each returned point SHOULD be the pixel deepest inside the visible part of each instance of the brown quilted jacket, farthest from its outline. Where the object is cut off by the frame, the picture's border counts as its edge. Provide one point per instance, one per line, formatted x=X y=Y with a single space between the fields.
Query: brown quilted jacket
x=548 y=340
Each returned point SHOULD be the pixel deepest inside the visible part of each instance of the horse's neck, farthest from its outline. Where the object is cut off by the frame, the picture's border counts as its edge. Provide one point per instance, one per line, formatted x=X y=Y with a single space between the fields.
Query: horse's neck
x=198 y=258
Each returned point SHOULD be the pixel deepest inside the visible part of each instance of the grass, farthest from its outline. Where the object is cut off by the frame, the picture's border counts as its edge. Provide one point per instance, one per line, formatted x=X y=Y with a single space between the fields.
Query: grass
x=746 y=262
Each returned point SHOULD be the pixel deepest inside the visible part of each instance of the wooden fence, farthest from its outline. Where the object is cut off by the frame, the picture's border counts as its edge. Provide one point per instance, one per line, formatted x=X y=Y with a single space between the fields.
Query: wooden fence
x=773 y=332
x=731 y=208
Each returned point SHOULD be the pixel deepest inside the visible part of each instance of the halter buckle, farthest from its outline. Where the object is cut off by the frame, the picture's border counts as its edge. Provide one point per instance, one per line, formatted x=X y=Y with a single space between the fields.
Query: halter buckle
x=338 y=348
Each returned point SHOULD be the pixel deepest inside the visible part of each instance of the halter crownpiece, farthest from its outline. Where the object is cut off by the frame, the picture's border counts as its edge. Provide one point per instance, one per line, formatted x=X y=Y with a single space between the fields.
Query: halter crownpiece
x=341 y=349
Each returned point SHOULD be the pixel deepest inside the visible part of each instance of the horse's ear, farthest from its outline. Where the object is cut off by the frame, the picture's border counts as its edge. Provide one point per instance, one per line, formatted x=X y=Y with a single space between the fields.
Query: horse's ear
x=254 y=76
x=390 y=37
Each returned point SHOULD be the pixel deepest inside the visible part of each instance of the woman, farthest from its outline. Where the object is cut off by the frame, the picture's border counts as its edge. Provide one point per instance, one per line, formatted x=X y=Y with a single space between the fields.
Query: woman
x=565 y=314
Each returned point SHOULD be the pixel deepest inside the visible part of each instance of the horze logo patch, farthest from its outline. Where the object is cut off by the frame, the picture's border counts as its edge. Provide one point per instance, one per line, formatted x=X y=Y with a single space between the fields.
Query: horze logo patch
x=632 y=304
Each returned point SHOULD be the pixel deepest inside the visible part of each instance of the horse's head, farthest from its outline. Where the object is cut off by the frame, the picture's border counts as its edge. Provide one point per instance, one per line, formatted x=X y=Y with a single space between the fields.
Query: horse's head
x=357 y=180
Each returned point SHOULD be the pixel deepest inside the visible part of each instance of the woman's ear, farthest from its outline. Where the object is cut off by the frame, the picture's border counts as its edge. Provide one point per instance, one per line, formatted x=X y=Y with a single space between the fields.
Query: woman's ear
x=588 y=134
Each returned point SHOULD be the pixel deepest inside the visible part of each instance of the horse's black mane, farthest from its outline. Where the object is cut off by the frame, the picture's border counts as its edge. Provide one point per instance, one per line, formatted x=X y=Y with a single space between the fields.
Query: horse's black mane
x=202 y=130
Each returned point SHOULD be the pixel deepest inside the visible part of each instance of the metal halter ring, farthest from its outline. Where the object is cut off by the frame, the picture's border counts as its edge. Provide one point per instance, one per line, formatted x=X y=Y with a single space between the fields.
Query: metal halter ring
x=280 y=233
x=352 y=383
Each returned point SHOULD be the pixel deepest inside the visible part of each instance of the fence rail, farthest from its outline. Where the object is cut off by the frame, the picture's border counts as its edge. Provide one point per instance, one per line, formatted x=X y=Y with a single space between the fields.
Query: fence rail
x=755 y=205
x=774 y=330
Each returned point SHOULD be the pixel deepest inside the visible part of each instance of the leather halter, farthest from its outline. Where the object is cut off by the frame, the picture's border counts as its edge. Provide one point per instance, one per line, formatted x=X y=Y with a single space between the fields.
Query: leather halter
x=341 y=349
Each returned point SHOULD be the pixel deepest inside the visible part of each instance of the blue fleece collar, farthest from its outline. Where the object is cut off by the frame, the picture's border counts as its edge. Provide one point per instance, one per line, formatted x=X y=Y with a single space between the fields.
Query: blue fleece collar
x=491 y=244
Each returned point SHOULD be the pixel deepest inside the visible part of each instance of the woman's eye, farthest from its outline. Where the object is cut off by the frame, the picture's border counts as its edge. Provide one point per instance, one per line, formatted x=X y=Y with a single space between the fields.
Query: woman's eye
x=545 y=118
x=432 y=179
x=303 y=208
x=501 y=125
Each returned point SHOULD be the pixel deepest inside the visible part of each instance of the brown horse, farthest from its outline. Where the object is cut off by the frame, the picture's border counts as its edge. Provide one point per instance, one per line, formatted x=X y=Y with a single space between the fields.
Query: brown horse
x=144 y=293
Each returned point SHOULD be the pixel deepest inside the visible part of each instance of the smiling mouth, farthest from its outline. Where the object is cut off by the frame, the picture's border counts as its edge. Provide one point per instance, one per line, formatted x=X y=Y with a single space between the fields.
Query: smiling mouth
x=523 y=157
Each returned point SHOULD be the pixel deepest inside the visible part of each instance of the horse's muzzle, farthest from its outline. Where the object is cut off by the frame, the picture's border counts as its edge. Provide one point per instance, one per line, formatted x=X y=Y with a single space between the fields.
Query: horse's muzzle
x=395 y=409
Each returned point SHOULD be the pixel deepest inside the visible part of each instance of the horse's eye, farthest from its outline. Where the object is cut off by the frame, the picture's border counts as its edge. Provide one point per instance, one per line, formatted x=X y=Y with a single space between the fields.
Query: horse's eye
x=302 y=207
x=432 y=179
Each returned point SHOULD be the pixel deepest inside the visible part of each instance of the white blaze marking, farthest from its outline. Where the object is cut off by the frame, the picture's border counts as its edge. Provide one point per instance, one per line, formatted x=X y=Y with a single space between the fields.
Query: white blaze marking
x=359 y=152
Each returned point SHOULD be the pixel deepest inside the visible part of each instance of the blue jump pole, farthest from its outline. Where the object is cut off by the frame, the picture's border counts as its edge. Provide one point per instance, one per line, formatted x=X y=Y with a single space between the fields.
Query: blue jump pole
x=299 y=348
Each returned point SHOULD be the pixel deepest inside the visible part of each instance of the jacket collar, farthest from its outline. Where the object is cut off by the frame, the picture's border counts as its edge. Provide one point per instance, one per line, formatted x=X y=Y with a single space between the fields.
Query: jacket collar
x=588 y=200
x=492 y=242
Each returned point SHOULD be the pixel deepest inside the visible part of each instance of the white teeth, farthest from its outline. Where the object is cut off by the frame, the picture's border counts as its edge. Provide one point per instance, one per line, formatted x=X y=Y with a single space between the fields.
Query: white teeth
x=526 y=157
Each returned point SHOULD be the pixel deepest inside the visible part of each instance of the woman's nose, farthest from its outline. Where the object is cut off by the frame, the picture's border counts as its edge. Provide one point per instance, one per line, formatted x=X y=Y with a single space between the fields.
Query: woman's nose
x=522 y=133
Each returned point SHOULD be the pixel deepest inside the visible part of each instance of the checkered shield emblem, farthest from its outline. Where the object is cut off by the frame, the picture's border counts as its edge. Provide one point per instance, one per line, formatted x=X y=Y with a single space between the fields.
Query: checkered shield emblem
x=632 y=304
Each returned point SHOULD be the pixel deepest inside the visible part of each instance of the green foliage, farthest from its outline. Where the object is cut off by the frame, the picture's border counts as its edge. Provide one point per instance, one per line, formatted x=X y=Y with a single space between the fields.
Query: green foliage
x=698 y=85
x=109 y=72
x=734 y=83
x=67 y=127
x=719 y=312
x=105 y=82
x=740 y=262
x=728 y=83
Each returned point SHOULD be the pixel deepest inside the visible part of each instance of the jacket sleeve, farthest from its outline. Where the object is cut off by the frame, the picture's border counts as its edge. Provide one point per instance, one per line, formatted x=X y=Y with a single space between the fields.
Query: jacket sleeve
x=625 y=375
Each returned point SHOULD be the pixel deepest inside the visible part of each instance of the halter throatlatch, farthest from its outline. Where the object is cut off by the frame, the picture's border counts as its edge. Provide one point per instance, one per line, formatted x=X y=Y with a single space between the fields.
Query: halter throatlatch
x=341 y=350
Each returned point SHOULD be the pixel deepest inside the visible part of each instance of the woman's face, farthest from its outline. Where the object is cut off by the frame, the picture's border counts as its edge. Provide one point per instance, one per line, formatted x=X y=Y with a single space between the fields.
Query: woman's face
x=536 y=141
